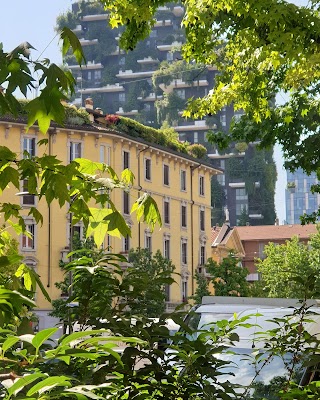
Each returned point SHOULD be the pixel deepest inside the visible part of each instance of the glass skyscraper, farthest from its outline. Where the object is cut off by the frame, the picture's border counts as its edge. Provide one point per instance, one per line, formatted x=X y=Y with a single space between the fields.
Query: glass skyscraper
x=299 y=199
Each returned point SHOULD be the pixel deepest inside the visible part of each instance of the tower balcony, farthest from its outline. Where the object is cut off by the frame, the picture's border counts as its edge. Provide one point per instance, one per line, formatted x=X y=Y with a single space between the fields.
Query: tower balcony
x=95 y=17
x=104 y=89
x=179 y=83
x=87 y=42
x=90 y=66
x=128 y=73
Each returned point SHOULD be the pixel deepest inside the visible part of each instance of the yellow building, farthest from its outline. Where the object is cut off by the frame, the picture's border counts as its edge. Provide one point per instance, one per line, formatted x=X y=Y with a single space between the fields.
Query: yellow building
x=179 y=184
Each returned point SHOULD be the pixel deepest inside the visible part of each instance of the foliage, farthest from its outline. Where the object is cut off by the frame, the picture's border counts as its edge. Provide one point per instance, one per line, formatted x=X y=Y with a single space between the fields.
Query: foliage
x=244 y=217
x=197 y=150
x=168 y=72
x=218 y=200
x=228 y=277
x=169 y=106
x=150 y=274
x=202 y=288
x=285 y=265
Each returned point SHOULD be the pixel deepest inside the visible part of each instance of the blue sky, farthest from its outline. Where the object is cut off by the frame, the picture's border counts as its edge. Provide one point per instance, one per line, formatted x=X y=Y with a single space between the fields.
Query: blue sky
x=34 y=21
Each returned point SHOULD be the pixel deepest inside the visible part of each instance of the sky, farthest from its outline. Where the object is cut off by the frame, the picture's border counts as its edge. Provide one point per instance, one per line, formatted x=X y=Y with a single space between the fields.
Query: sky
x=34 y=21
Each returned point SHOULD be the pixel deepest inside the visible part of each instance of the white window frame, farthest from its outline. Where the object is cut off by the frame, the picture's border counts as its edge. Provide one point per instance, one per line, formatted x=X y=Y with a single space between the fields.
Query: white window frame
x=202 y=254
x=201 y=185
x=164 y=174
x=166 y=247
x=126 y=207
x=147 y=161
x=105 y=154
x=25 y=194
x=125 y=153
x=183 y=181
x=184 y=226
x=28 y=139
x=184 y=290
x=73 y=143
x=148 y=241
x=184 y=251
x=126 y=244
x=202 y=212
x=166 y=202
x=30 y=241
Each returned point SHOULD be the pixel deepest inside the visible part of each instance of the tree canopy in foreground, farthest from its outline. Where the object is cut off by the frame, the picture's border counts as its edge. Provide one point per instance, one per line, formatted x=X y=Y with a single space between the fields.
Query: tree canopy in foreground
x=261 y=49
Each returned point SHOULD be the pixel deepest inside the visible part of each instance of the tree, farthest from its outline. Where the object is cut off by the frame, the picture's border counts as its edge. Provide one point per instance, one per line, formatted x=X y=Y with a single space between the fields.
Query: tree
x=261 y=49
x=218 y=199
x=149 y=274
x=244 y=217
x=202 y=288
x=228 y=277
x=287 y=267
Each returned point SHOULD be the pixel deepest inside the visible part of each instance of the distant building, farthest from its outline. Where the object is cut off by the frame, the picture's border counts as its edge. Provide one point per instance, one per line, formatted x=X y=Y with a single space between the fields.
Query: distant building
x=255 y=238
x=299 y=198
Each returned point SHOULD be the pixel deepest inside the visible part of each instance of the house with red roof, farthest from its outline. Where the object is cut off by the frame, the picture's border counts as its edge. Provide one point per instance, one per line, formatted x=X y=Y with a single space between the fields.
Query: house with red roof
x=255 y=238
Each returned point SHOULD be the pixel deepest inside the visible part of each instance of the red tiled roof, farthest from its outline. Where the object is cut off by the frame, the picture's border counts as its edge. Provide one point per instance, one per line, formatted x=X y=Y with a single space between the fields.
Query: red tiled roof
x=215 y=232
x=275 y=232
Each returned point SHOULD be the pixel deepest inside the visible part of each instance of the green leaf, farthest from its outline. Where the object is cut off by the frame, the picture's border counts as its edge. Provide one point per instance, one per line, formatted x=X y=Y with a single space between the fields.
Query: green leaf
x=79 y=335
x=48 y=384
x=146 y=208
x=36 y=215
x=9 y=342
x=89 y=167
x=23 y=381
x=117 y=225
x=69 y=39
x=42 y=336
x=127 y=176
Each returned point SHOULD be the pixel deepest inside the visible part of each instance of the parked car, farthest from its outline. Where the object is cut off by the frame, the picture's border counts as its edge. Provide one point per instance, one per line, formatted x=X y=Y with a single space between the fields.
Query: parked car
x=253 y=365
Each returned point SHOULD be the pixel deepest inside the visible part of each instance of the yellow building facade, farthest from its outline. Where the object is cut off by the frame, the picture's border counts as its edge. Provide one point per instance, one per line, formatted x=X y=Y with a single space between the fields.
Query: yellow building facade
x=179 y=184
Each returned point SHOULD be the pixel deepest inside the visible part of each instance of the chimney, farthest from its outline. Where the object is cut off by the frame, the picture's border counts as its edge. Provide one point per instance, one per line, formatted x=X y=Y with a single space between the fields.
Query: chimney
x=276 y=222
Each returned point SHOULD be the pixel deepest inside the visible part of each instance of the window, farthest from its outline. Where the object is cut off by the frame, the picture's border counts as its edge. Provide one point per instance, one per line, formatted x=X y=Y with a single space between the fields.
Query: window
x=166 y=174
x=126 y=244
x=27 y=198
x=29 y=146
x=126 y=203
x=195 y=137
x=97 y=75
x=166 y=211
x=148 y=241
x=105 y=154
x=147 y=169
x=28 y=239
x=202 y=255
x=89 y=75
x=122 y=61
x=183 y=180
x=184 y=291
x=201 y=185
x=166 y=248
x=75 y=150
x=122 y=97
x=223 y=120
x=202 y=219
x=169 y=56
x=126 y=159
x=181 y=93
x=183 y=216
x=184 y=254
x=76 y=231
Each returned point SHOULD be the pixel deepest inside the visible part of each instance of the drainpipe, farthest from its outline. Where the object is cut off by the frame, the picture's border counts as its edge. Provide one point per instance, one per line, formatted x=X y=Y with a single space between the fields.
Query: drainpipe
x=139 y=190
x=192 y=242
x=50 y=133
